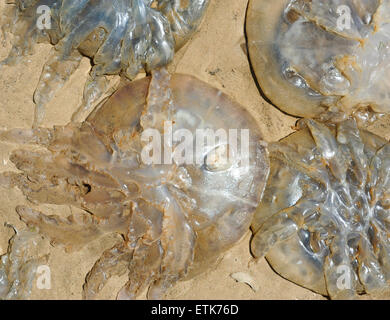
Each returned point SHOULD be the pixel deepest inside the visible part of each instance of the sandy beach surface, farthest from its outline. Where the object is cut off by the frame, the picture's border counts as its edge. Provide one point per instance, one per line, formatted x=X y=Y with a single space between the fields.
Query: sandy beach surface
x=216 y=55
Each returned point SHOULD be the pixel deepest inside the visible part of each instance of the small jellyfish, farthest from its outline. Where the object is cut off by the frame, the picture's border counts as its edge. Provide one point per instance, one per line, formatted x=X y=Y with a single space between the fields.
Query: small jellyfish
x=312 y=57
x=323 y=222
x=122 y=37
x=26 y=253
x=169 y=162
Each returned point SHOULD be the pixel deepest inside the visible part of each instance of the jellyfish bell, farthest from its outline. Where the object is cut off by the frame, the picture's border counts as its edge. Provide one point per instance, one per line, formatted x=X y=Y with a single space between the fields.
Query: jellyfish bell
x=311 y=57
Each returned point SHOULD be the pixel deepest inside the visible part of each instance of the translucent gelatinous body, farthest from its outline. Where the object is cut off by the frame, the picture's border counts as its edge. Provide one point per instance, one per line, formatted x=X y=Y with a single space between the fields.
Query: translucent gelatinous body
x=324 y=219
x=121 y=36
x=176 y=217
x=27 y=251
x=312 y=56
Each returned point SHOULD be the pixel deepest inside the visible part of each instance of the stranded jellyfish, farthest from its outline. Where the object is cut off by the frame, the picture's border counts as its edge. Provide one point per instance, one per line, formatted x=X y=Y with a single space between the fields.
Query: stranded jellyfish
x=120 y=36
x=314 y=56
x=324 y=222
x=176 y=213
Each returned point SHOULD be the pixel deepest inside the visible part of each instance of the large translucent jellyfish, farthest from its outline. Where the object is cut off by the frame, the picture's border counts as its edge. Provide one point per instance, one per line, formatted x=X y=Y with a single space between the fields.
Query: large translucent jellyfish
x=178 y=210
x=312 y=56
x=324 y=222
x=120 y=36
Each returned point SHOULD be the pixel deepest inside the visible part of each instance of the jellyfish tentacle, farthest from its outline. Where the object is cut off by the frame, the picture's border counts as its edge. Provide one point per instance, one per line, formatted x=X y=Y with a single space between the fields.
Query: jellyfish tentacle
x=184 y=17
x=370 y=271
x=38 y=135
x=54 y=75
x=74 y=232
x=329 y=148
x=144 y=267
x=281 y=226
x=292 y=156
x=18 y=266
x=95 y=87
x=348 y=134
x=113 y=262
x=340 y=276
